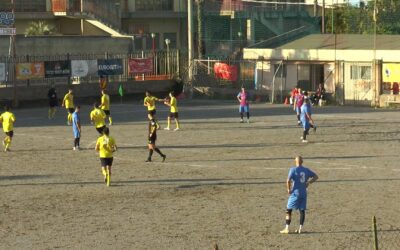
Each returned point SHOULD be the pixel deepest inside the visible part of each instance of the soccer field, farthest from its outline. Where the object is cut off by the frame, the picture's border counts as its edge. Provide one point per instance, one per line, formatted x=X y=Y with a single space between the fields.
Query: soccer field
x=223 y=182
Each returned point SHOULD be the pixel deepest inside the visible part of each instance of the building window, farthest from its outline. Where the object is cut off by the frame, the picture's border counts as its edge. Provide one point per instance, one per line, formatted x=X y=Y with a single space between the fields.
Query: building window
x=172 y=39
x=138 y=43
x=360 y=72
x=154 y=5
x=138 y=28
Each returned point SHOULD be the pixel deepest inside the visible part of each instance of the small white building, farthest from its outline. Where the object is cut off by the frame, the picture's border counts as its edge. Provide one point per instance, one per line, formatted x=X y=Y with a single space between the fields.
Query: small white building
x=355 y=69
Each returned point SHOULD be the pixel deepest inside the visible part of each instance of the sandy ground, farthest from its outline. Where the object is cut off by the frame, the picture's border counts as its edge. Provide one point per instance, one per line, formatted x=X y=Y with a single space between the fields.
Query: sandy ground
x=223 y=182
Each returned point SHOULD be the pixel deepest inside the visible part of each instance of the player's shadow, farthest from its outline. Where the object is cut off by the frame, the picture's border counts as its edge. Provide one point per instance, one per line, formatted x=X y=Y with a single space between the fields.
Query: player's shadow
x=23 y=177
x=192 y=183
x=352 y=231
x=288 y=158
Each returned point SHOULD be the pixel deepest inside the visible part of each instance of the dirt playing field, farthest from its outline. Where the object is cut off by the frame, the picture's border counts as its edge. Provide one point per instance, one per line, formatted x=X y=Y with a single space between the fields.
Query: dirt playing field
x=223 y=182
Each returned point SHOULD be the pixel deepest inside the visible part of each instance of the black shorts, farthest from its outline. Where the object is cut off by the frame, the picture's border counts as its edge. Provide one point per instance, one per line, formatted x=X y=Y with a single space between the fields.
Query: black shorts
x=10 y=133
x=152 y=140
x=71 y=110
x=53 y=103
x=152 y=112
x=173 y=115
x=107 y=112
x=100 y=130
x=106 y=161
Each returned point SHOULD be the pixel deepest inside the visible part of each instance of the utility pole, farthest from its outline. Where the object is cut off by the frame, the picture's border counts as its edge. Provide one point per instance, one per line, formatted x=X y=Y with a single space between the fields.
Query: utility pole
x=190 y=40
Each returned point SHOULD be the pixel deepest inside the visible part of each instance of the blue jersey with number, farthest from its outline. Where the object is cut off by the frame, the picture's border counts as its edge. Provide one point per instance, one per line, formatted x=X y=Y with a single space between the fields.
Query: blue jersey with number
x=299 y=177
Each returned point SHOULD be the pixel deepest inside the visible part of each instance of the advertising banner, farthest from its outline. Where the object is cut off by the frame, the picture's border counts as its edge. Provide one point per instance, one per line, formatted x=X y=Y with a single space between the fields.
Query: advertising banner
x=2 y=71
x=140 y=65
x=27 y=71
x=225 y=71
x=57 y=69
x=109 y=67
x=82 y=68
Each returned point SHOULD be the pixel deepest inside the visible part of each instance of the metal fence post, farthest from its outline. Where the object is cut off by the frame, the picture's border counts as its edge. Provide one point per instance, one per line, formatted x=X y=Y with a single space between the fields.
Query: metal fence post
x=375 y=233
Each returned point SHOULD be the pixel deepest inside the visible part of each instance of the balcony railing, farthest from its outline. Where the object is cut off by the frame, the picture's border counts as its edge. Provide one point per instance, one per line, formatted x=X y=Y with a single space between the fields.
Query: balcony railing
x=24 y=5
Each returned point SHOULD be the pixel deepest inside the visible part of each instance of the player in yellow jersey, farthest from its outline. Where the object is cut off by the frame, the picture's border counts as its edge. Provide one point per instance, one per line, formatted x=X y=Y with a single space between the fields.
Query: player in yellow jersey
x=173 y=103
x=97 y=116
x=150 y=103
x=68 y=103
x=105 y=105
x=8 y=119
x=106 y=146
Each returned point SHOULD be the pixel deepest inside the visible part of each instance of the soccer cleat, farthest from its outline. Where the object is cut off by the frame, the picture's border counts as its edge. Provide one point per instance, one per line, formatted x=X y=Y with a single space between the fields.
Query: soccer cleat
x=248 y=121
x=74 y=148
x=285 y=231
x=304 y=141
x=176 y=129
x=298 y=231
x=163 y=158
x=241 y=121
x=167 y=128
x=148 y=160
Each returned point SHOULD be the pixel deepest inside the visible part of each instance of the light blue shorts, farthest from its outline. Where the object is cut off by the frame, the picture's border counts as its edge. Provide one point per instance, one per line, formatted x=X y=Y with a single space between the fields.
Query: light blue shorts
x=297 y=202
x=244 y=108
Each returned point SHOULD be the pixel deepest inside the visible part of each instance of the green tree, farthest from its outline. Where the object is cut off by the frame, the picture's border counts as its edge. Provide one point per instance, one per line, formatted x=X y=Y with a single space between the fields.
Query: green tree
x=359 y=19
x=39 y=28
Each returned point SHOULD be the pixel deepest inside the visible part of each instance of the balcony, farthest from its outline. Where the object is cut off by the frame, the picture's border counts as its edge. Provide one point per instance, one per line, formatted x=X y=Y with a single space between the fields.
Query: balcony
x=154 y=14
x=106 y=11
x=24 y=5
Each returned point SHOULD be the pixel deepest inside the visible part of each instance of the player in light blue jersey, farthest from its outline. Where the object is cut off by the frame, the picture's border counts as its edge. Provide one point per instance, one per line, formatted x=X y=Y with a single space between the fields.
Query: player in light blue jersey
x=76 y=127
x=298 y=180
x=306 y=120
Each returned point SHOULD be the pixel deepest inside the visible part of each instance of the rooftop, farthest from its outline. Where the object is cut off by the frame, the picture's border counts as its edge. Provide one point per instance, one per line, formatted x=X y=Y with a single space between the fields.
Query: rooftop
x=344 y=42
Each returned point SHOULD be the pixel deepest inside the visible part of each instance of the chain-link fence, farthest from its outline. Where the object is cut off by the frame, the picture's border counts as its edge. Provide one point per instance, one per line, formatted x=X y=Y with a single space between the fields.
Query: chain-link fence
x=166 y=65
x=223 y=27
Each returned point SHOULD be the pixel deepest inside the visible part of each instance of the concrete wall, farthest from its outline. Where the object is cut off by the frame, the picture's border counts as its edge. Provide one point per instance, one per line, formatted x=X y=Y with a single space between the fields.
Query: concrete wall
x=85 y=90
x=58 y=45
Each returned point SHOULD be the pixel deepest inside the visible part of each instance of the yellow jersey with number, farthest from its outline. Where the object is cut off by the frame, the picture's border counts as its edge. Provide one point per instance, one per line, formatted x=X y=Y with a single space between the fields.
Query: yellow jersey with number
x=105 y=102
x=8 y=119
x=98 y=117
x=69 y=101
x=106 y=146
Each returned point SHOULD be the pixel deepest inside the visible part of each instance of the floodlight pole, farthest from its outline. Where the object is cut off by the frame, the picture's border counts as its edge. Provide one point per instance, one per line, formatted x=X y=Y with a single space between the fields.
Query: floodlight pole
x=190 y=39
x=12 y=37
x=374 y=64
